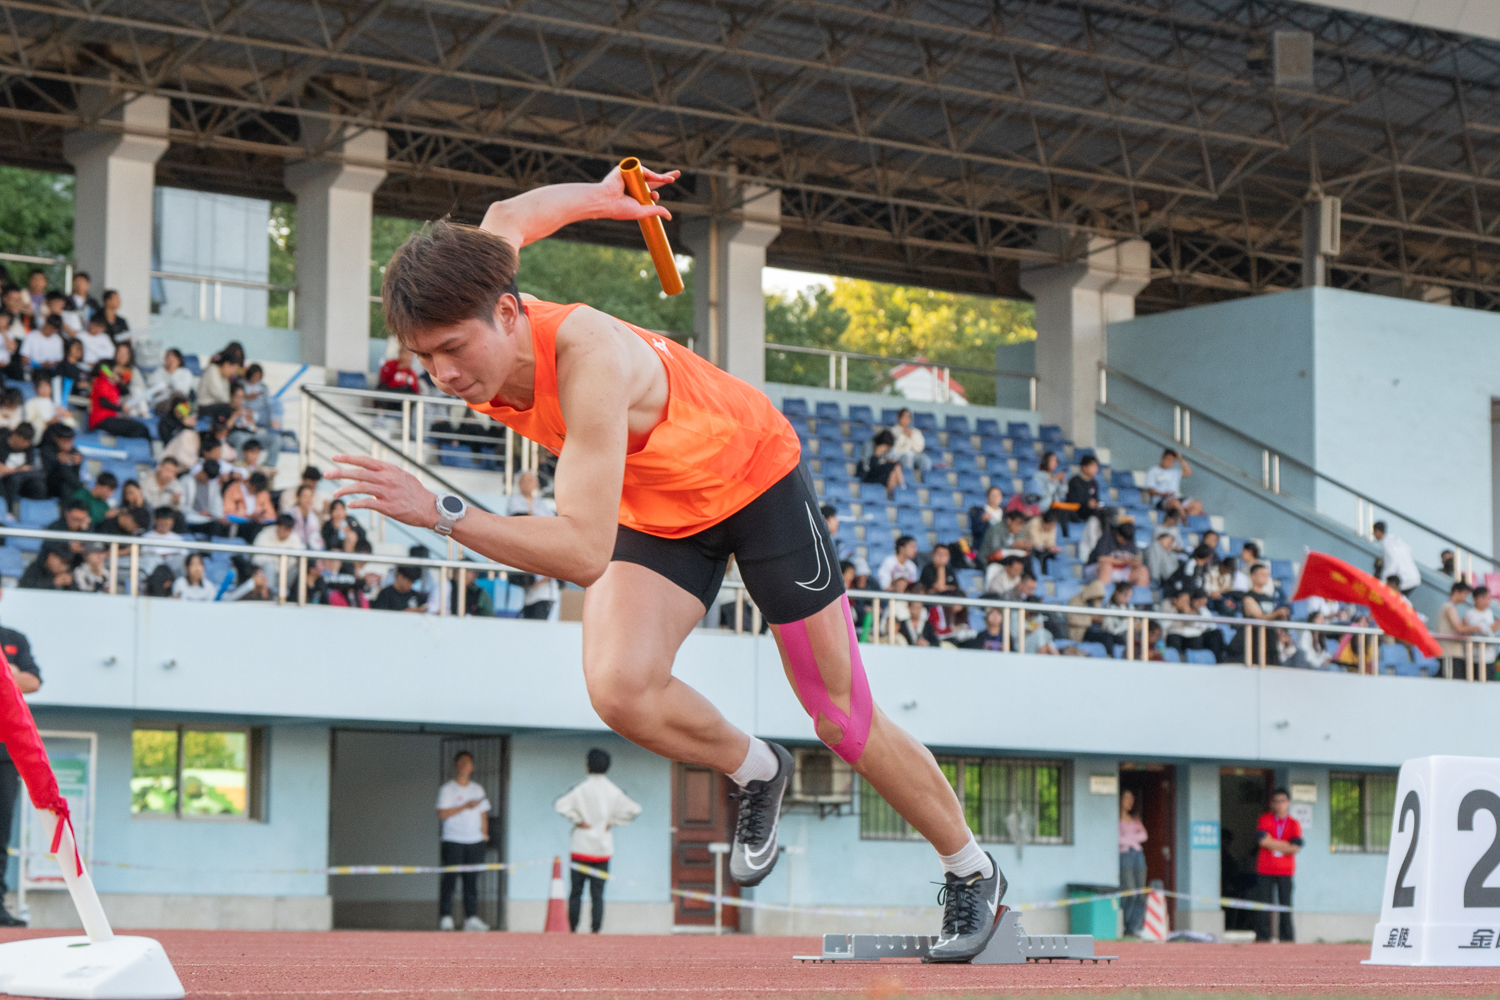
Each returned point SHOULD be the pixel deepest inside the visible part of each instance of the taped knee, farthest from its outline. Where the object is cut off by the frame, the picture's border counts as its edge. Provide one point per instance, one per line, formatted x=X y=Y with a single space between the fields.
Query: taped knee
x=853 y=725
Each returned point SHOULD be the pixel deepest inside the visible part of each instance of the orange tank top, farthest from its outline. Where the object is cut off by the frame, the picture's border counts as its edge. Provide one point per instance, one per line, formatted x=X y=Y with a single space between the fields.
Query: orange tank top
x=720 y=445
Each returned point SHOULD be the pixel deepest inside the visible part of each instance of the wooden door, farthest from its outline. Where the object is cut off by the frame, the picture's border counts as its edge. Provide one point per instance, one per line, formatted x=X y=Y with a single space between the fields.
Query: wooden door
x=1155 y=791
x=702 y=814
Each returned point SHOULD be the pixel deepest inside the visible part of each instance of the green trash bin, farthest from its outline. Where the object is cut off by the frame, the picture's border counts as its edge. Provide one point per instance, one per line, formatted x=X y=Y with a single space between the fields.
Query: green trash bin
x=1099 y=917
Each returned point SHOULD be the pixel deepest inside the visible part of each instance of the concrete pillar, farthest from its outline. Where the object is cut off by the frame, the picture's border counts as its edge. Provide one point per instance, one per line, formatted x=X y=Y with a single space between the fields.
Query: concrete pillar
x=113 y=194
x=1075 y=303
x=335 y=204
x=1198 y=843
x=1321 y=225
x=729 y=308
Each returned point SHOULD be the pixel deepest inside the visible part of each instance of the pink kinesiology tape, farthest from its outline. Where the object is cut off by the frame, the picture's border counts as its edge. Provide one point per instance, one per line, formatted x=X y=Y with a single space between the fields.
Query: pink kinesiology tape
x=815 y=698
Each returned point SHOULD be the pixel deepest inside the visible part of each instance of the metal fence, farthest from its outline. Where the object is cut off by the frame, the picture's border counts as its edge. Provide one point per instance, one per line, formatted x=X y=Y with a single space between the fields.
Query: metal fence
x=126 y=560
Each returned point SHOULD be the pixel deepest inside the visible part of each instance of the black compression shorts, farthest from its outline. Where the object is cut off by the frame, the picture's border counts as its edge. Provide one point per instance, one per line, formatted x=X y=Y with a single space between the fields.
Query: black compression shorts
x=779 y=541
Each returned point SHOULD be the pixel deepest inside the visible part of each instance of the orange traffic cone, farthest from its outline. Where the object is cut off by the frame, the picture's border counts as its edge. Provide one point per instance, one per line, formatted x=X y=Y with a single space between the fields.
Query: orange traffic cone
x=557 y=904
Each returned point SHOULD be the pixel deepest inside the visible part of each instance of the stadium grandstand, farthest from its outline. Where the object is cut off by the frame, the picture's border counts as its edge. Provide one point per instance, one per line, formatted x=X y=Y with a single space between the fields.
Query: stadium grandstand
x=1260 y=240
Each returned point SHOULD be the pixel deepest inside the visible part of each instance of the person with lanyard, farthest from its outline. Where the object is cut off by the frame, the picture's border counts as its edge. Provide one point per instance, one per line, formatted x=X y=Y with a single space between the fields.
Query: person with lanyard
x=1280 y=840
x=28 y=677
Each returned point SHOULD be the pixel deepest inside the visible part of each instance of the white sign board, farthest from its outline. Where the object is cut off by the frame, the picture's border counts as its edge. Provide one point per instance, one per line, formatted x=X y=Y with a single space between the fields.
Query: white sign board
x=74 y=757
x=1441 y=903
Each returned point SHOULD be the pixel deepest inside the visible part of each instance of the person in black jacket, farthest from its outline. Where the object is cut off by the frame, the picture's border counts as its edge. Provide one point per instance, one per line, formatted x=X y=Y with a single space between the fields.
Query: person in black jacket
x=21 y=472
x=28 y=677
x=1083 y=490
x=1191 y=575
x=61 y=461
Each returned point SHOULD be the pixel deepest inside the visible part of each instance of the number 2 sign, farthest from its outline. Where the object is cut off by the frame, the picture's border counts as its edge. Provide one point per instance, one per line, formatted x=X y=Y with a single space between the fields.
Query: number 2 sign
x=1441 y=904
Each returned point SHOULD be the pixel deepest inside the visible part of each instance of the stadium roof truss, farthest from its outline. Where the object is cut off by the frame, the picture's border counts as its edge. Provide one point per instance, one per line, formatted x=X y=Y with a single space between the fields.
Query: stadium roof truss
x=941 y=142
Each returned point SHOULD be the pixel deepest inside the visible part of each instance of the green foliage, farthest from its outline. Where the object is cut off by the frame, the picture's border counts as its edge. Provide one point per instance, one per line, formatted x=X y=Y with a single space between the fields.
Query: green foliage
x=619 y=282
x=386 y=237
x=213 y=751
x=36 y=219
x=898 y=321
x=154 y=753
x=281 y=229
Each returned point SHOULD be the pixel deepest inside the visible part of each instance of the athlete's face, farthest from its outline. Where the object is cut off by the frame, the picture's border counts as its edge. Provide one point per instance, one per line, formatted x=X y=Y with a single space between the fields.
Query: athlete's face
x=475 y=360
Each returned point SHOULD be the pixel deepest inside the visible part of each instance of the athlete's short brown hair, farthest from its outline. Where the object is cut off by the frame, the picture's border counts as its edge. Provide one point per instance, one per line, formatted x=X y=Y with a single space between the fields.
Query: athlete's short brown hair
x=445 y=273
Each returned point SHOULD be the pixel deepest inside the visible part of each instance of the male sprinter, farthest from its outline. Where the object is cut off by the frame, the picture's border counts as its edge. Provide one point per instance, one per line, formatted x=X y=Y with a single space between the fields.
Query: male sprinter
x=671 y=466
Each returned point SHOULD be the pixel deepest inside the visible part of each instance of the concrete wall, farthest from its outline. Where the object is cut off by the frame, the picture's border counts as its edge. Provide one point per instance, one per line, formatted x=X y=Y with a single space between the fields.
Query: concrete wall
x=877 y=402
x=214 y=235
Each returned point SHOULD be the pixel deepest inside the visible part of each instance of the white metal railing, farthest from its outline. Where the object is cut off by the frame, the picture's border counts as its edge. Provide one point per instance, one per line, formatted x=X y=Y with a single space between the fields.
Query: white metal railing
x=126 y=557
x=1365 y=509
x=401 y=424
x=838 y=368
x=62 y=262
x=217 y=285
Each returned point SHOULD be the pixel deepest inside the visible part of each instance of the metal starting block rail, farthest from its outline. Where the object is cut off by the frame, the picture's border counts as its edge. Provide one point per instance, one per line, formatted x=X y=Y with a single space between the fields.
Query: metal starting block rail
x=1010 y=945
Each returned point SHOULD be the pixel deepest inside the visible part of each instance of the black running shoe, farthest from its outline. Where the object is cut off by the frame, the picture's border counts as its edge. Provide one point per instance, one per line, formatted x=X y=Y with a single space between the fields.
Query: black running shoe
x=6 y=920
x=754 y=853
x=971 y=911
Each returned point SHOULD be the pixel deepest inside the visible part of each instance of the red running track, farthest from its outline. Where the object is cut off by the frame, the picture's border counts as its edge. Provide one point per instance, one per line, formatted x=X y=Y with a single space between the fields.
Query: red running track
x=454 y=966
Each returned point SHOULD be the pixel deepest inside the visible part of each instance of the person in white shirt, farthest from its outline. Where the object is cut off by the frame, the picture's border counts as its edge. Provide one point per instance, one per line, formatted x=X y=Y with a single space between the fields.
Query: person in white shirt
x=910 y=447
x=1396 y=559
x=41 y=410
x=900 y=563
x=172 y=378
x=1163 y=487
x=154 y=557
x=42 y=349
x=464 y=810
x=192 y=585
x=526 y=501
x=163 y=488
x=283 y=535
x=97 y=345
x=593 y=806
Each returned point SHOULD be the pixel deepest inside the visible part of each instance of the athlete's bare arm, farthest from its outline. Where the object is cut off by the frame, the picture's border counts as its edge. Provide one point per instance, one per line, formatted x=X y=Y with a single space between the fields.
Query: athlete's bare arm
x=542 y=211
x=612 y=390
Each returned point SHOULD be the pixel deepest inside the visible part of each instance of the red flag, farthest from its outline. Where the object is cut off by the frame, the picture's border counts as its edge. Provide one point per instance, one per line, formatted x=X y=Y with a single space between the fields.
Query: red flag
x=1325 y=576
x=18 y=733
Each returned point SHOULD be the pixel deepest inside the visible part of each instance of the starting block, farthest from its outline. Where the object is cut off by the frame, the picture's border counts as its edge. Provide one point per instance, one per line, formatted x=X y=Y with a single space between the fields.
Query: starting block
x=1010 y=945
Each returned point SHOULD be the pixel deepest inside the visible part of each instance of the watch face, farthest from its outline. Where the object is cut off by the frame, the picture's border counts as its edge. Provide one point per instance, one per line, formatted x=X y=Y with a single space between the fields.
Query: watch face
x=452 y=505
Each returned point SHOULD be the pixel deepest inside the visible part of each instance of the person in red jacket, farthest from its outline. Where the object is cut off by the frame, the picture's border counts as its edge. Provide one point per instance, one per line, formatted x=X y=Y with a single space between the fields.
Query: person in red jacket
x=105 y=404
x=1280 y=840
x=397 y=374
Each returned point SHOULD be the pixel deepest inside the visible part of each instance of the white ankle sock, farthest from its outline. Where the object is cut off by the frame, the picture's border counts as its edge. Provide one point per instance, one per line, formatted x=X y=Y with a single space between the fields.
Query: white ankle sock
x=968 y=860
x=759 y=765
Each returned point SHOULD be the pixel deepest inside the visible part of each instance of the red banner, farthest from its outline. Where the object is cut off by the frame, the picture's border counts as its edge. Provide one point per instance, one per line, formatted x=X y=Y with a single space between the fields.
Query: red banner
x=1327 y=577
x=18 y=733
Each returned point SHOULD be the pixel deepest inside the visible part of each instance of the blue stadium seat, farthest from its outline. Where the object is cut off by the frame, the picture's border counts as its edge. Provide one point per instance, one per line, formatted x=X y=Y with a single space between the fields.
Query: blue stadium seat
x=872 y=492
x=846 y=489
x=959 y=442
x=863 y=414
x=1025 y=468
x=353 y=380
x=1199 y=523
x=193 y=364
x=89 y=439
x=38 y=513
x=956 y=424
x=860 y=432
x=1023 y=449
x=1170 y=655
x=799 y=424
x=829 y=430
x=940 y=499
x=947 y=526
x=925 y=422
x=1394 y=656
x=793 y=407
x=907 y=496
x=139 y=449
x=971 y=482
x=1142 y=596
x=124 y=471
x=1018 y=429
x=828 y=411
x=1122 y=477
x=971 y=580
x=153 y=424
x=1429 y=667
x=888 y=417
x=1066 y=589
x=1094 y=649
x=10 y=561
x=987 y=427
x=1051 y=433
x=964 y=462
x=992 y=446
x=1281 y=569
x=1131 y=498
x=1203 y=656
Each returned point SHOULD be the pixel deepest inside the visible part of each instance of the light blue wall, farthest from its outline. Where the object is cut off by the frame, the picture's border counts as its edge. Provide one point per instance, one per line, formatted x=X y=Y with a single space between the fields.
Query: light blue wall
x=206 y=338
x=1403 y=407
x=545 y=765
x=1197 y=867
x=1328 y=881
x=1248 y=362
x=205 y=857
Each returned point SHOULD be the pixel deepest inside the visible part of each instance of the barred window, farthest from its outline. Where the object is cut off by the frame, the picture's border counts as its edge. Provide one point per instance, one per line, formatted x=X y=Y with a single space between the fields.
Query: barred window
x=1360 y=807
x=1005 y=799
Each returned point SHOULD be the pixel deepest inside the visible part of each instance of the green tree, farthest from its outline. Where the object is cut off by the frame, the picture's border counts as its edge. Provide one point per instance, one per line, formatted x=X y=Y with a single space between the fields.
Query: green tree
x=36 y=219
x=386 y=236
x=619 y=282
x=281 y=229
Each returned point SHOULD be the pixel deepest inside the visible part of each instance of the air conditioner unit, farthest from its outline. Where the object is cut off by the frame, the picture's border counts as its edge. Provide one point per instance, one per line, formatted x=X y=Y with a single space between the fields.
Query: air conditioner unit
x=1292 y=58
x=821 y=778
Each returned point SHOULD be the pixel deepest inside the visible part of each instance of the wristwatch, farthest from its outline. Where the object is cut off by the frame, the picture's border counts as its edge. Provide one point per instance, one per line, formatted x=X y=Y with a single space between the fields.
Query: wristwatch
x=451 y=509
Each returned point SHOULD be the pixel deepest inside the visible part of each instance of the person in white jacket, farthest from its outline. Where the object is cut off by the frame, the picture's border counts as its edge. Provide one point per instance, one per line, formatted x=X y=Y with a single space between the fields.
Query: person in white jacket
x=593 y=806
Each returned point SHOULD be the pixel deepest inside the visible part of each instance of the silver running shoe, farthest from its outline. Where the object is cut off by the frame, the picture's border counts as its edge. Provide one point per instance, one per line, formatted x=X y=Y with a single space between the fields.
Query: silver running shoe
x=754 y=852
x=971 y=911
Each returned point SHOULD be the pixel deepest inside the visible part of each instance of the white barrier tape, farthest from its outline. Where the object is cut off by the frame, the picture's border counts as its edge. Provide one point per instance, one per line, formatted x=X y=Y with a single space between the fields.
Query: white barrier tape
x=706 y=897
x=334 y=870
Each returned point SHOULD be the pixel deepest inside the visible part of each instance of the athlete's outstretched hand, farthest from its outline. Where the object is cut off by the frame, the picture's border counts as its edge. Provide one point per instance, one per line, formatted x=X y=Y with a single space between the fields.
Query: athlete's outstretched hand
x=620 y=204
x=386 y=488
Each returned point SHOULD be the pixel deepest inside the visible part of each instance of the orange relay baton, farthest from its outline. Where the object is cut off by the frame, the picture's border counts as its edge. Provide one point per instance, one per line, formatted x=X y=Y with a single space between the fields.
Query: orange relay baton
x=651 y=229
